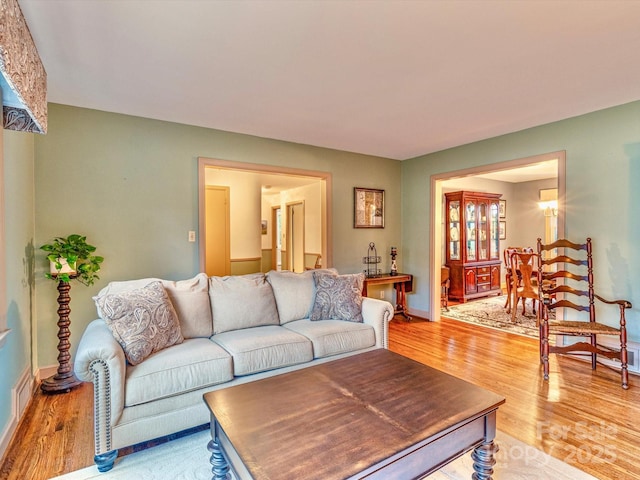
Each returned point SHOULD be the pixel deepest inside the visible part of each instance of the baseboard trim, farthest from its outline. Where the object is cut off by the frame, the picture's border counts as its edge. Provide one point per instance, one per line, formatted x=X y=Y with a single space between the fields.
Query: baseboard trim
x=46 y=372
x=21 y=396
x=419 y=313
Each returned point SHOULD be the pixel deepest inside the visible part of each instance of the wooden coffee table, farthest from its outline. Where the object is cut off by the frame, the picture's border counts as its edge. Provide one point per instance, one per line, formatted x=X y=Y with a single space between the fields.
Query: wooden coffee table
x=376 y=415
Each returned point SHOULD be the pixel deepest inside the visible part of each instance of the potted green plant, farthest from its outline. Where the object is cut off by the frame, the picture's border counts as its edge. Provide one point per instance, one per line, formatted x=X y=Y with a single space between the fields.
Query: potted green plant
x=72 y=258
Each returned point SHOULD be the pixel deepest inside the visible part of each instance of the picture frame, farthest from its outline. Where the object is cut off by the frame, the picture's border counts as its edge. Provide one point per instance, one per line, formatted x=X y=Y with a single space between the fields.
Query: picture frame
x=502 y=208
x=502 y=230
x=368 y=208
x=263 y=227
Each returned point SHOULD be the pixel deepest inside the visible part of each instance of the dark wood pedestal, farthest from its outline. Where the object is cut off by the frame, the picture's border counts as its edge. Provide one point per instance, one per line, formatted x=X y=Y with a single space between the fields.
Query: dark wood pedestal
x=65 y=379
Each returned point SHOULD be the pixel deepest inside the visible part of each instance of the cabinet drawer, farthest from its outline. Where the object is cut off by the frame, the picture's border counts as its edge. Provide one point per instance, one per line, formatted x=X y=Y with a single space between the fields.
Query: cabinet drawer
x=484 y=278
x=483 y=270
x=484 y=287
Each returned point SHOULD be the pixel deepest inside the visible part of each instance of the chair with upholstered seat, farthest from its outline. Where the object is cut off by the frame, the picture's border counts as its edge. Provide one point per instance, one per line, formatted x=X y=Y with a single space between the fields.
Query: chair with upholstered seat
x=566 y=284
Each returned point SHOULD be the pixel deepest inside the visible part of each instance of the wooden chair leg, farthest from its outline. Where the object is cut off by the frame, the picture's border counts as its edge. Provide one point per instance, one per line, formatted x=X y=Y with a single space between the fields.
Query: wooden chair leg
x=544 y=340
x=624 y=372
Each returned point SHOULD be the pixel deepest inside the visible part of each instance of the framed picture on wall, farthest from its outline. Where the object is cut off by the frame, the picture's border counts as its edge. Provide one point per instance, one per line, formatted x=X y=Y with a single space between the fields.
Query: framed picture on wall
x=368 y=208
x=502 y=230
x=502 y=208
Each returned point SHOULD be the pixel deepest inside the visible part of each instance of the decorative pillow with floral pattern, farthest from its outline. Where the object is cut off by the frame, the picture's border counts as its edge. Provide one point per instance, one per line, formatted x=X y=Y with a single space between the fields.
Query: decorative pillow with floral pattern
x=143 y=321
x=338 y=297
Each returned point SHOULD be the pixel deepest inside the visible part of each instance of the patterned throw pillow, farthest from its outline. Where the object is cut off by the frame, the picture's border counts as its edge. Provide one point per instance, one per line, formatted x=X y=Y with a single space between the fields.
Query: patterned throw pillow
x=338 y=297
x=143 y=321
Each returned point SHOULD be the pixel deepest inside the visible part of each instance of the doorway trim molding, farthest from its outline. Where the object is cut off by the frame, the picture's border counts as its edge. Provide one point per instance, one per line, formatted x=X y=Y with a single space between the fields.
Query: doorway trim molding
x=326 y=196
x=435 y=241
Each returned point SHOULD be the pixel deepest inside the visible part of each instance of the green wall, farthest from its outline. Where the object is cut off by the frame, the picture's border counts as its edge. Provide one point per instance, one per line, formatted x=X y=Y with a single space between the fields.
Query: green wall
x=15 y=355
x=603 y=195
x=130 y=185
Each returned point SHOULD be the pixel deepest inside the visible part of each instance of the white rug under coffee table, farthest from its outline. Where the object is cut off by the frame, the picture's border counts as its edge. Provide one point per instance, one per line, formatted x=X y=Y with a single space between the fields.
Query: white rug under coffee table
x=187 y=458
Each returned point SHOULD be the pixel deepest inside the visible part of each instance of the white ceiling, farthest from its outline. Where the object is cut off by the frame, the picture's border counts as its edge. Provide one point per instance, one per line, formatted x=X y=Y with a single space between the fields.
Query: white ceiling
x=391 y=78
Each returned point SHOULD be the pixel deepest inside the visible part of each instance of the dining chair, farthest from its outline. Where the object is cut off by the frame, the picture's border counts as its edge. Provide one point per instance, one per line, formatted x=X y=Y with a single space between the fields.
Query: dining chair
x=523 y=266
x=506 y=254
x=567 y=285
x=508 y=277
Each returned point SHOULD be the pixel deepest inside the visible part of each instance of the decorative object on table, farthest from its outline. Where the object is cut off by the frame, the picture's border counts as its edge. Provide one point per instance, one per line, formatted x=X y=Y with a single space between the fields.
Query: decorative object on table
x=394 y=265
x=502 y=209
x=70 y=258
x=372 y=260
x=368 y=208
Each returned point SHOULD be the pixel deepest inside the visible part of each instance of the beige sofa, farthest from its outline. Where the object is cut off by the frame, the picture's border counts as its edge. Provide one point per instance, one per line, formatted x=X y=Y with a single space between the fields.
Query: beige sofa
x=211 y=333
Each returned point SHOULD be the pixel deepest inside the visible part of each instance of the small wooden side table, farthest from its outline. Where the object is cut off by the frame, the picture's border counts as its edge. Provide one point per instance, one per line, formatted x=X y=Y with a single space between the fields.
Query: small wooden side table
x=403 y=283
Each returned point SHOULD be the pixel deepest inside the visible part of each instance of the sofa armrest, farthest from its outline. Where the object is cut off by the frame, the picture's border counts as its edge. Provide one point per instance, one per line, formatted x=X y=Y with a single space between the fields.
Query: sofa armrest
x=378 y=314
x=100 y=359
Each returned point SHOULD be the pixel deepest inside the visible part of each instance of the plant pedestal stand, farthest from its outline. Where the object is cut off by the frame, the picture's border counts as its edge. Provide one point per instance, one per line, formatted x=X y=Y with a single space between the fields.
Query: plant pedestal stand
x=65 y=379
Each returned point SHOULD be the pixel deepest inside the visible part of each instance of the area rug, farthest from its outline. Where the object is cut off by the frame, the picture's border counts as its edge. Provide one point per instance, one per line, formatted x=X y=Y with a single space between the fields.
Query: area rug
x=490 y=312
x=188 y=459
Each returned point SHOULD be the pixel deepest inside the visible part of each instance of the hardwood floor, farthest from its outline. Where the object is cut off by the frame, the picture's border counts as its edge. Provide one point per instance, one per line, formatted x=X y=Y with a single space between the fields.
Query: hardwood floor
x=581 y=417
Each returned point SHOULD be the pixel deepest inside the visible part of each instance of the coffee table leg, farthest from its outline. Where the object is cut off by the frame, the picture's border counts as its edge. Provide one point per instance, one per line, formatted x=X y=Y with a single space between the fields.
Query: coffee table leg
x=483 y=460
x=220 y=467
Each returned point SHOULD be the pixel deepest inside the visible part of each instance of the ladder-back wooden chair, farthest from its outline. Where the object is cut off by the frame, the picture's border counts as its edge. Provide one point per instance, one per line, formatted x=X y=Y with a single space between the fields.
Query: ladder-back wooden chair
x=566 y=282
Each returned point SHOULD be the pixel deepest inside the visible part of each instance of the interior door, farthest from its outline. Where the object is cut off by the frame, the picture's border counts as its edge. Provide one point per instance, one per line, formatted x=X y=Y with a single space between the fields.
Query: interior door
x=295 y=237
x=217 y=231
x=276 y=238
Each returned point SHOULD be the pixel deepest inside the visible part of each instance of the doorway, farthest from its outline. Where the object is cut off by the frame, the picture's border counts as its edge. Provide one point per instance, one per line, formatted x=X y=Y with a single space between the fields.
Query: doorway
x=254 y=190
x=436 y=220
x=276 y=238
x=295 y=237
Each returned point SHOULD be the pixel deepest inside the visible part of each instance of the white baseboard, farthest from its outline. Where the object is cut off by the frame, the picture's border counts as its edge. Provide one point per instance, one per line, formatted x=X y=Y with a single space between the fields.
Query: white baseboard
x=21 y=396
x=419 y=313
x=46 y=372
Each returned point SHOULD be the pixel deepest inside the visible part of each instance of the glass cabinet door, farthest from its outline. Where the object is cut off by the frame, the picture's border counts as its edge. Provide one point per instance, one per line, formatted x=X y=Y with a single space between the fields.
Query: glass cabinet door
x=483 y=251
x=470 y=217
x=494 y=233
x=454 y=230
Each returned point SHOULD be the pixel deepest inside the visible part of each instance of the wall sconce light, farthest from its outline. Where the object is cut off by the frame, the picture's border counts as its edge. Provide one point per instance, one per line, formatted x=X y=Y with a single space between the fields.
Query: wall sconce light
x=550 y=208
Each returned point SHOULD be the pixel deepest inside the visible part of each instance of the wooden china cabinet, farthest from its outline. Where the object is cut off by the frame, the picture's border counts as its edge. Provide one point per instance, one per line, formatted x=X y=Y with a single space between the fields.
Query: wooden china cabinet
x=473 y=244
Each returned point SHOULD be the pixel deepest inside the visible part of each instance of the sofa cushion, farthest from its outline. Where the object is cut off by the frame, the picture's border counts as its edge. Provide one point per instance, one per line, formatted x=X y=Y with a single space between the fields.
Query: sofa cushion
x=294 y=293
x=264 y=348
x=143 y=321
x=241 y=301
x=190 y=299
x=338 y=297
x=195 y=363
x=332 y=337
